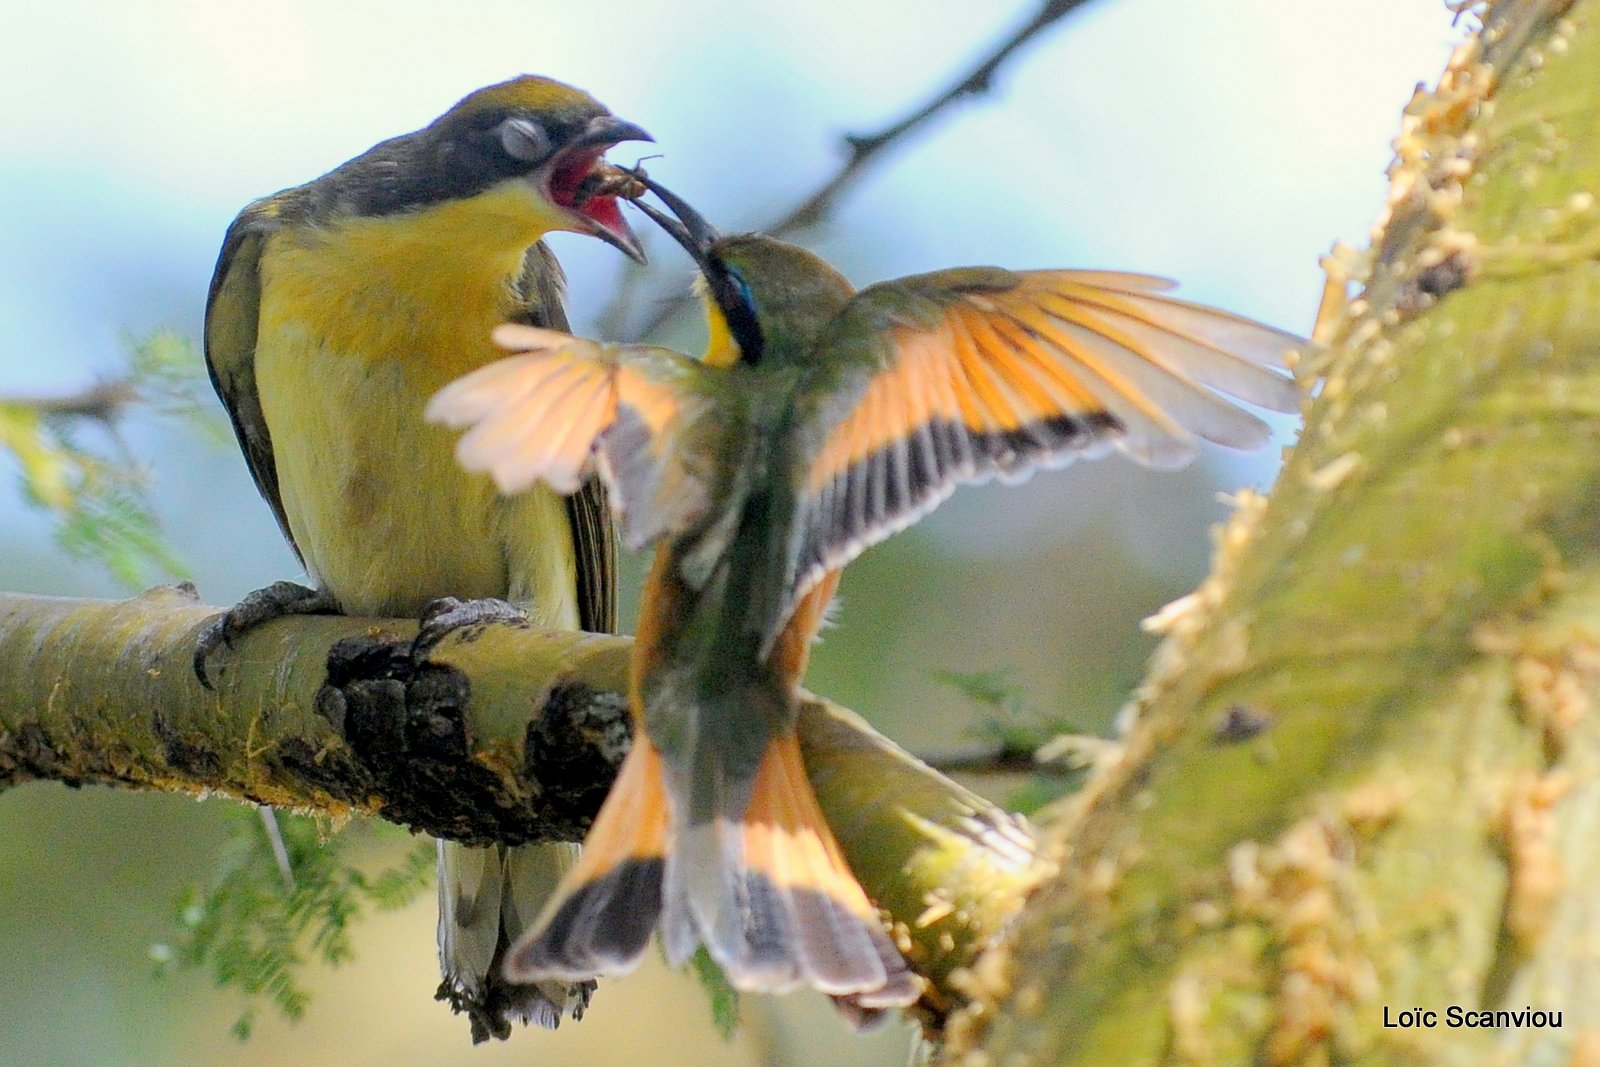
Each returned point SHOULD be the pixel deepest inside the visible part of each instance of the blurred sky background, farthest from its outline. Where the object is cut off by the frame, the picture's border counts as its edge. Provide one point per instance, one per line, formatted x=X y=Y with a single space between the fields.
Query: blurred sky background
x=1226 y=143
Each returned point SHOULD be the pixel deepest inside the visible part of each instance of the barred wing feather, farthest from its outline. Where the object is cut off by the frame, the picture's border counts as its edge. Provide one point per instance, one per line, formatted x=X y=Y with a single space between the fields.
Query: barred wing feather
x=931 y=381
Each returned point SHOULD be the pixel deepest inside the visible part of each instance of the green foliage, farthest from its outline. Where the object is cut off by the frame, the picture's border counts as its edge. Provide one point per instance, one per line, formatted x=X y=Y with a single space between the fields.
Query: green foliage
x=994 y=689
x=724 y=998
x=1016 y=732
x=168 y=372
x=257 y=930
x=1008 y=719
x=73 y=464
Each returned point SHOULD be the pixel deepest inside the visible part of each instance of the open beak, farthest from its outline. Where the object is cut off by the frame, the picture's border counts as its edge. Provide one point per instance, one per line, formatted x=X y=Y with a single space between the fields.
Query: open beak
x=690 y=229
x=579 y=179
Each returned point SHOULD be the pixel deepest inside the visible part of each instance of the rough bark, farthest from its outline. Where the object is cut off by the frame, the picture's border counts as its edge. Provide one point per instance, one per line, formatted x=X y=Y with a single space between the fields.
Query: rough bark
x=1365 y=772
x=499 y=733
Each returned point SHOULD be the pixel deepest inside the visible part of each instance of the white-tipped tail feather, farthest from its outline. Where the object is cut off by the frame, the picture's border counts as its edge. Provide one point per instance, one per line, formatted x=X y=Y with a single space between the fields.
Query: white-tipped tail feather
x=768 y=894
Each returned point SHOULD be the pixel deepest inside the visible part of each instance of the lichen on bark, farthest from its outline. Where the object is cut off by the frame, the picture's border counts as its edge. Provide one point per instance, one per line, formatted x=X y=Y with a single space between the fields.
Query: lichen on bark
x=497 y=733
x=1413 y=615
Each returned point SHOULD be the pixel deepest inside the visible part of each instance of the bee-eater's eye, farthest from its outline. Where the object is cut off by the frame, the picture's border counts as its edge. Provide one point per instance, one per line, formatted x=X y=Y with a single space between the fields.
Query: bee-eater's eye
x=524 y=139
x=745 y=296
x=740 y=312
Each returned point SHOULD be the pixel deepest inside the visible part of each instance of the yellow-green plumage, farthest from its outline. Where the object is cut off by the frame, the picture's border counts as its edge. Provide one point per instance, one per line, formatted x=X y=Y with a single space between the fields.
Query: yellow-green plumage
x=429 y=287
x=336 y=309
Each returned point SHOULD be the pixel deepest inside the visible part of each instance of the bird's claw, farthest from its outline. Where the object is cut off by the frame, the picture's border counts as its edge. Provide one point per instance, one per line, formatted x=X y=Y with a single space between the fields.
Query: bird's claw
x=446 y=615
x=262 y=605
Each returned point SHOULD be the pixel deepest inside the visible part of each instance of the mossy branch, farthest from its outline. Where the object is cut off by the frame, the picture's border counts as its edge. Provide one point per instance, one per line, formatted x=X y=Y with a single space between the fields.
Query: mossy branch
x=1412 y=626
x=501 y=733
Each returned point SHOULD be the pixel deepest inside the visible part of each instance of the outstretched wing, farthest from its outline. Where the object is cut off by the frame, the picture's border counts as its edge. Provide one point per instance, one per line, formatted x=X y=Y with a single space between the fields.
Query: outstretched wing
x=563 y=407
x=931 y=381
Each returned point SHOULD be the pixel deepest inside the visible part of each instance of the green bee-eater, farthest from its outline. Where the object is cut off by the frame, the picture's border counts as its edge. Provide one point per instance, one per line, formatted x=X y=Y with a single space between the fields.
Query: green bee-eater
x=819 y=422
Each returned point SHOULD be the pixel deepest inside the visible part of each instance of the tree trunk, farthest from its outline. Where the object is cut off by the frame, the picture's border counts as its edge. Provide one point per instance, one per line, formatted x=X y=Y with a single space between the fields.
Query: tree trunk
x=1365 y=773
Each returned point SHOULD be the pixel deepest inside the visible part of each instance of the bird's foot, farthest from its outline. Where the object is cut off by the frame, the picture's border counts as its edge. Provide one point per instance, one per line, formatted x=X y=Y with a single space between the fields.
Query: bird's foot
x=446 y=615
x=263 y=605
x=492 y=1010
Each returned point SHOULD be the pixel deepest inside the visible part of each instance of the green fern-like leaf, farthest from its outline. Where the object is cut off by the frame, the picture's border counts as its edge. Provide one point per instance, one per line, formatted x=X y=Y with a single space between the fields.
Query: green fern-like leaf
x=724 y=998
x=258 y=932
x=1008 y=719
x=399 y=885
x=72 y=463
x=992 y=689
x=1016 y=732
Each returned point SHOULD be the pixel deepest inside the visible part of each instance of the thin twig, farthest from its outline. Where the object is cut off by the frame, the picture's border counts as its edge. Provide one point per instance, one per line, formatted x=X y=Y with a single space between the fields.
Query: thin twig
x=103 y=401
x=280 y=851
x=863 y=147
x=862 y=150
x=1000 y=760
x=1055 y=759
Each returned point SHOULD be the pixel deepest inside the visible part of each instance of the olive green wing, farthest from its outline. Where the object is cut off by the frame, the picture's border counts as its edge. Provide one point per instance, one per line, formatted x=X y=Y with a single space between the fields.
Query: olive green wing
x=927 y=382
x=233 y=307
x=541 y=296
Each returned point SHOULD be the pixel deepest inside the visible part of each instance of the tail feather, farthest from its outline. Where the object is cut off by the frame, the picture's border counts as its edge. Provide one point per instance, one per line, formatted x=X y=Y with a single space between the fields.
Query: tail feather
x=787 y=911
x=470 y=883
x=600 y=917
x=769 y=893
x=829 y=936
x=487 y=897
x=680 y=935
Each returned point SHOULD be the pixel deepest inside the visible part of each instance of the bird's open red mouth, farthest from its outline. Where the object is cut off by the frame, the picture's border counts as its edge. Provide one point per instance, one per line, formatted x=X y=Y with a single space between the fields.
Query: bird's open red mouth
x=585 y=184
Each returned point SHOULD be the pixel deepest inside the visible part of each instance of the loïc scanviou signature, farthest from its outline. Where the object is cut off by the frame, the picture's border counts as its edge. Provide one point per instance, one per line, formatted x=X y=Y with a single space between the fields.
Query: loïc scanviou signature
x=1456 y=1017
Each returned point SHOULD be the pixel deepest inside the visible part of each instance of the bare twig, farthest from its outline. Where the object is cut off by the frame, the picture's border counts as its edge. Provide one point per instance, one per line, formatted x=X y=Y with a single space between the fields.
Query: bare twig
x=998 y=760
x=280 y=851
x=862 y=150
x=1064 y=755
x=863 y=147
x=104 y=401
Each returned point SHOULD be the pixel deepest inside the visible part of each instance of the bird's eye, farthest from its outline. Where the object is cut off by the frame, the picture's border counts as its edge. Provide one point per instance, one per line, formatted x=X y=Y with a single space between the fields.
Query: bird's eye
x=524 y=139
x=743 y=287
x=741 y=316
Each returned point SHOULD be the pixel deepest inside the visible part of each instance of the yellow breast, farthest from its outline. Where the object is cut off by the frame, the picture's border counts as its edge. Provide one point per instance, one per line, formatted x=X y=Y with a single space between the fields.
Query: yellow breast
x=360 y=323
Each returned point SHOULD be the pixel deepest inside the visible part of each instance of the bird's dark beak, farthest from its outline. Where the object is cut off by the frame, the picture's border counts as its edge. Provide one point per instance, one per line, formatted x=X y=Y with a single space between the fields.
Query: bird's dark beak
x=581 y=181
x=726 y=292
x=604 y=131
x=690 y=229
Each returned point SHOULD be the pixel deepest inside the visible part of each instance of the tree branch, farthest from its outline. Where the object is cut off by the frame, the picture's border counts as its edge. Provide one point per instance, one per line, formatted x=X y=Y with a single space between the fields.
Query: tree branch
x=861 y=150
x=864 y=147
x=504 y=733
x=104 y=401
x=1411 y=629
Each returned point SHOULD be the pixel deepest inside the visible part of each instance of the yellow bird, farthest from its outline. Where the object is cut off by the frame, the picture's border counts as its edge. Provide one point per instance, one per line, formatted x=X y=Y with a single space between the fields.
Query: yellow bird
x=337 y=308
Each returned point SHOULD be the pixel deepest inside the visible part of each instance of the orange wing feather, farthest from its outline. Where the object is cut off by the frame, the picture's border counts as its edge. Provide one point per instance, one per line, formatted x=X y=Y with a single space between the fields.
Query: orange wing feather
x=562 y=406
x=962 y=375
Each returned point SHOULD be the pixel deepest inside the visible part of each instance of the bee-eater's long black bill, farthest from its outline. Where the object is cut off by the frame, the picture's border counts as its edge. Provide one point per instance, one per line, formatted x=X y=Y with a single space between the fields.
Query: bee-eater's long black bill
x=674 y=229
x=690 y=229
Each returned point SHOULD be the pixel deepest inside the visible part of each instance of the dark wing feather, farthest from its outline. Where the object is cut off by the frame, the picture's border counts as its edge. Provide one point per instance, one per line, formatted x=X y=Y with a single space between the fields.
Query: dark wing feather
x=232 y=309
x=541 y=292
x=927 y=382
